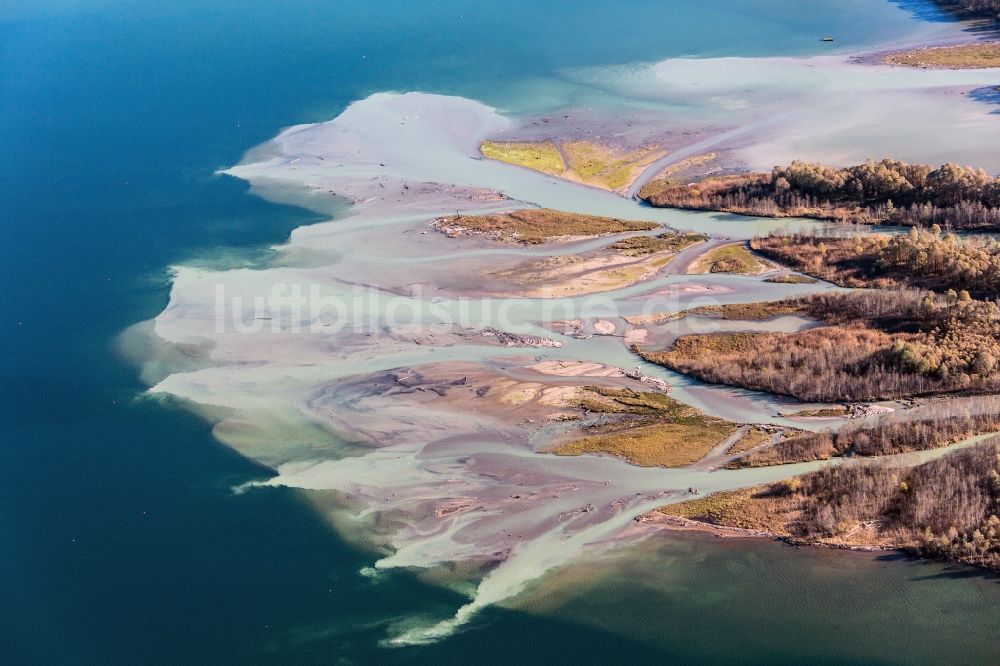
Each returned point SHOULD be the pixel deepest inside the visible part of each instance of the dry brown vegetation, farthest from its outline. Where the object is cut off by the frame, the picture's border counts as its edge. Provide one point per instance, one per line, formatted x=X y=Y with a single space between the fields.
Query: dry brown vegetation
x=747 y=509
x=818 y=365
x=926 y=427
x=791 y=278
x=748 y=311
x=963 y=56
x=646 y=428
x=734 y=258
x=944 y=508
x=823 y=412
x=532 y=226
x=752 y=439
x=873 y=346
x=885 y=192
x=922 y=259
x=671 y=241
x=610 y=167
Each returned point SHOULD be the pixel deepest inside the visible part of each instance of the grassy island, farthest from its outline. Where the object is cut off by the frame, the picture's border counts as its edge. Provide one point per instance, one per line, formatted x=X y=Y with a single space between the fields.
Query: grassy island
x=541 y=156
x=791 y=278
x=755 y=437
x=671 y=241
x=533 y=226
x=619 y=263
x=885 y=192
x=646 y=428
x=747 y=311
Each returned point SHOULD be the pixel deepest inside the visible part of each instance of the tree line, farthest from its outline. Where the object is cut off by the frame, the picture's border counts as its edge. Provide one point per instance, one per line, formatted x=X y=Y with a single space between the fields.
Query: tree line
x=877 y=345
x=946 y=507
x=921 y=259
x=883 y=192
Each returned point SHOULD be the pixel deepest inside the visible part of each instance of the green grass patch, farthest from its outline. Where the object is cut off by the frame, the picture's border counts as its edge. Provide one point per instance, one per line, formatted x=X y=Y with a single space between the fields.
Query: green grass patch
x=655 y=430
x=541 y=156
x=592 y=163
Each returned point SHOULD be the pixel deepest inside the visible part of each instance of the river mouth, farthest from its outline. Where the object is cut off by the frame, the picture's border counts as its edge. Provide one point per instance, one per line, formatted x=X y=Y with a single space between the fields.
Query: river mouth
x=124 y=539
x=302 y=344
x=300 y=359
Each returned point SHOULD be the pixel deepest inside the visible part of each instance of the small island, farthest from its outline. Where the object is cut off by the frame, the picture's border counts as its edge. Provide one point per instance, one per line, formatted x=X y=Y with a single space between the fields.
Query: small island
x=533 y=226
x=638 y=253
x=646 y=428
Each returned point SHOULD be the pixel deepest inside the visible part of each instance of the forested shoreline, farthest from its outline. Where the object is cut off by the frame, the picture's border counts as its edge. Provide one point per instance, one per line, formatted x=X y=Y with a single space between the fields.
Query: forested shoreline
x=926 y=324
x=944 y=508
x=885 y=192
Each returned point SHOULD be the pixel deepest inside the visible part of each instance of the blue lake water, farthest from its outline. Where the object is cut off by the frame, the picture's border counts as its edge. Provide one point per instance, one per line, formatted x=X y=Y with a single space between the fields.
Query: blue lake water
x=121 y=540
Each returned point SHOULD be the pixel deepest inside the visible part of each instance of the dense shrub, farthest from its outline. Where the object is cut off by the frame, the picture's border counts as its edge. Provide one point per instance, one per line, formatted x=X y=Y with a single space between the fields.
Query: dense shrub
x=872 y=346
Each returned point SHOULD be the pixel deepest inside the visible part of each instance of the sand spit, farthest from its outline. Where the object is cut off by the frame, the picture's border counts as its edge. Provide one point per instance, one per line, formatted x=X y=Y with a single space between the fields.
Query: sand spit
x=822 y=108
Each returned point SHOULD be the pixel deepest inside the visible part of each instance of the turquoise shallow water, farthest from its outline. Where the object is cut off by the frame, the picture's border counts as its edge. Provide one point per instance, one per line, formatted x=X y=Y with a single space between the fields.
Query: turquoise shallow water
x=121 y=540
